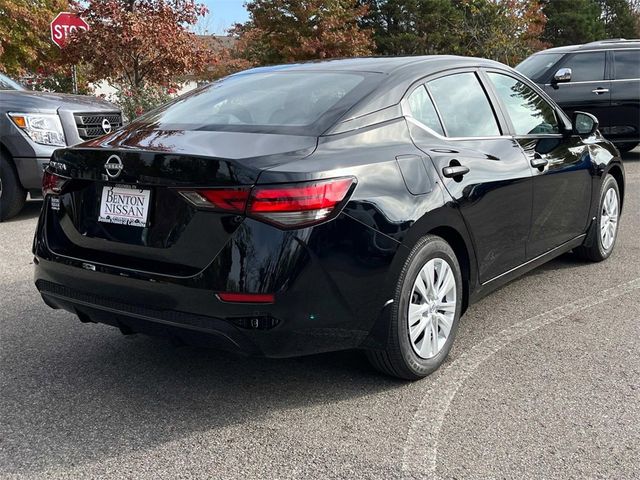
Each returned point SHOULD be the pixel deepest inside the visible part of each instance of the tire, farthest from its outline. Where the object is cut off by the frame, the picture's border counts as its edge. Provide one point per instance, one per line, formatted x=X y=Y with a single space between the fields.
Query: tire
x=626 y=147
x=597 y=248
x=401 y=358
x=12 y=195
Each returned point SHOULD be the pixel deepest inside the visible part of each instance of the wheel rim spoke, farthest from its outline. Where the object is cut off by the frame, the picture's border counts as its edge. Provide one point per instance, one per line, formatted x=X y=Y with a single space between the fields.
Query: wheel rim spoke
x=445 y=324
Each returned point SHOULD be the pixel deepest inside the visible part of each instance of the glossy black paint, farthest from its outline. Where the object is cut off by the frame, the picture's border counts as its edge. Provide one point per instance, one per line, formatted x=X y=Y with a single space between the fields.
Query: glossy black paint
x=332 y=282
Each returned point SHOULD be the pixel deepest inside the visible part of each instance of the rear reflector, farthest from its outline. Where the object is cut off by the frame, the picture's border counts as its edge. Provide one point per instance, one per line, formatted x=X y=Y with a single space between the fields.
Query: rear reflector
x=291 y=205
x=246 y=297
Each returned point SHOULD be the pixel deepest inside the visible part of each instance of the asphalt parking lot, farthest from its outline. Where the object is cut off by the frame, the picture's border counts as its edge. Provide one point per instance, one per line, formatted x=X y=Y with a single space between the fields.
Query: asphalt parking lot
x=543 y=382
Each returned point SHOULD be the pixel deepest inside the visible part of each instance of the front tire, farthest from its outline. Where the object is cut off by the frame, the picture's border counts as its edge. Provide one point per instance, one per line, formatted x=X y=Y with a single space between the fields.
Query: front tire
x=12 y=195
x=600 y=247
x=425 y=312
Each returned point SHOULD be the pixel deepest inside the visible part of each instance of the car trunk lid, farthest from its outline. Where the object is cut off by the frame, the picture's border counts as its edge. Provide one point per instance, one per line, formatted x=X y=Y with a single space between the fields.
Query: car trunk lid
x=175 y=238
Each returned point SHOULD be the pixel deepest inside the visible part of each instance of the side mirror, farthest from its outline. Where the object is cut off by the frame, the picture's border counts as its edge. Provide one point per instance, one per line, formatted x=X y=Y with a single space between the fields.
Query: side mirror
x=584 y=124
x=562 y=76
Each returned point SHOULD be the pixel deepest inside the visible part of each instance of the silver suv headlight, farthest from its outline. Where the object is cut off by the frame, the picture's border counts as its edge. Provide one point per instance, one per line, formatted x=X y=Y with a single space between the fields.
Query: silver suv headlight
x=43 y=128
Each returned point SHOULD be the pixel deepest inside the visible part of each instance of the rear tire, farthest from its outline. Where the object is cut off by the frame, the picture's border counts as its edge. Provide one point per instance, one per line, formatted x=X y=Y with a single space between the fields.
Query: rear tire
x=626 y=147
x=432 y=268
x=12 y=195
x=604 y=237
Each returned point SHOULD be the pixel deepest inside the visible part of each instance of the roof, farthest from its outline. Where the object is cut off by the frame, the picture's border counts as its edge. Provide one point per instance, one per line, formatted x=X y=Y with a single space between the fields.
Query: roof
x=599 y=45
x=378 y=64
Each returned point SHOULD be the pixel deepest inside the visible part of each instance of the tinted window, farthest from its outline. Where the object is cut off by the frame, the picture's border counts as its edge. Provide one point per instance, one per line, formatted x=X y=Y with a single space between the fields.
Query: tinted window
x=248 y=101
x=536 y=66
x=463 y=105
x=627 y=64
x=585 y=66
x=422 y=109
x=529 y=112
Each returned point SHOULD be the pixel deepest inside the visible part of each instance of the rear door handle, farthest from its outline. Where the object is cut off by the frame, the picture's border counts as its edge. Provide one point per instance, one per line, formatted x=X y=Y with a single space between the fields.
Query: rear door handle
x=600 y=90
x=455 y=171
x=538 y=161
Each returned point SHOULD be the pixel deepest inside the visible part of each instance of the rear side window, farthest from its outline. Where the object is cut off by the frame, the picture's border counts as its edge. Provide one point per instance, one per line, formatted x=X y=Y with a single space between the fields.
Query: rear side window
x=422 y=109
x=585 y=67
x=529 y=112
x=627 y=64
x=464 y=106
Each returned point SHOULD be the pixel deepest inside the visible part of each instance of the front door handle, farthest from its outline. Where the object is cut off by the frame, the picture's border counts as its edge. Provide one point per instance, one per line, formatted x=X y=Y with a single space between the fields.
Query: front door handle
x=538 y=161
x=600 y=90
x=455 y=171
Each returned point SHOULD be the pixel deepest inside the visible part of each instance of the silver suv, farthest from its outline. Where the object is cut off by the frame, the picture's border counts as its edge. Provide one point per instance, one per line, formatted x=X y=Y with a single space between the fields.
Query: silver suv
x=32 y=126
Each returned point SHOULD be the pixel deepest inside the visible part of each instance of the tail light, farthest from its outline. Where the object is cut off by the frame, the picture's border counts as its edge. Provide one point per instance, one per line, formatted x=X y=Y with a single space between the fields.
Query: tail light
x=292 y=205
x=52 y=183
x=233 y=200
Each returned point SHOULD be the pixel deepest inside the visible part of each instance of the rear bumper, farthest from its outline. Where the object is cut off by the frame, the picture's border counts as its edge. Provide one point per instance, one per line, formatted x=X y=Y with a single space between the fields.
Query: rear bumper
x=326 y=299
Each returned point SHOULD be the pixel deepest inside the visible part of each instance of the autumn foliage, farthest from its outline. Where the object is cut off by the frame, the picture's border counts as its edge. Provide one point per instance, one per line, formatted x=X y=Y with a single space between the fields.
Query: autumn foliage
x=138 y=41
x=24 y=34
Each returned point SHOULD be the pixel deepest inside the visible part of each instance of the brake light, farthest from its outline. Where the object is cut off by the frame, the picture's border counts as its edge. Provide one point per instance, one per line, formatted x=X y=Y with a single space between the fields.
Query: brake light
x=52 y=183
x=296 y=205
x=291 y=205
x=233 y=297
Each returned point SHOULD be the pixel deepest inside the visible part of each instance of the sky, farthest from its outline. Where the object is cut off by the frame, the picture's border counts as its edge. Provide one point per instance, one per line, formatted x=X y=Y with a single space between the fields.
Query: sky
x=223 y=14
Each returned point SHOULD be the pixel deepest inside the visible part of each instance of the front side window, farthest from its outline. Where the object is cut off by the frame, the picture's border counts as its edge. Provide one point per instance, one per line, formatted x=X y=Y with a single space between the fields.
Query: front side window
x=627 y=64
x=530 y=113
x=536 y=66
x=585 y=67
x=422 y=109
x=463 y=106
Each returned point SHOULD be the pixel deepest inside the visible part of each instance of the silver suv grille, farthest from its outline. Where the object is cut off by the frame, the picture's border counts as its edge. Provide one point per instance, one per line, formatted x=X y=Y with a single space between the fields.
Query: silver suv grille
x=90 y=125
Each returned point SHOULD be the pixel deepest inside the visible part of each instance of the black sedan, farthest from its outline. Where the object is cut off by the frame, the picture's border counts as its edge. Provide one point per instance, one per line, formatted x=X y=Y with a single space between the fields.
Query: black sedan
x=305 y=208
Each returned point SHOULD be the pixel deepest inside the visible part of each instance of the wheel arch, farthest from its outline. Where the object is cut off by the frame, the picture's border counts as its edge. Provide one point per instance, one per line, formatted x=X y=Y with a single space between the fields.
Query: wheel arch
x=460 y=248
x=447 y=223
x=617 y=173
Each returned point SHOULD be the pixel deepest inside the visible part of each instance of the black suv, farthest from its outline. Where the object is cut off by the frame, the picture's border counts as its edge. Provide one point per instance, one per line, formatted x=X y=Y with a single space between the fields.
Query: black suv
x=602 y=78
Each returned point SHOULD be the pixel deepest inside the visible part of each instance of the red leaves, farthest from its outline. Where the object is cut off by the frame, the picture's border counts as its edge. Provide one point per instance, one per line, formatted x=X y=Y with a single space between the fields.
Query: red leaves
x=138 y=41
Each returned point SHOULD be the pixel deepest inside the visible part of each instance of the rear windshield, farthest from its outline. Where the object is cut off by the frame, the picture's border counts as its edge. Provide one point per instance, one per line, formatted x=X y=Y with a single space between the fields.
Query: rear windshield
x=290 y=102
x=537 y=65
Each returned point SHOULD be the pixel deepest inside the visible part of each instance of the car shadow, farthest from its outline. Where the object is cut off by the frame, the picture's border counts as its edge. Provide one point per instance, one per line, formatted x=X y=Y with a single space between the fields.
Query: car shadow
x=91 y=394
x=633 y=155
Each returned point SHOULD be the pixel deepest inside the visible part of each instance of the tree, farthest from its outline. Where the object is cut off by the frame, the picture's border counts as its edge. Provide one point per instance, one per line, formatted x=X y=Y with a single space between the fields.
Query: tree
x=619 y=19
x=573 y=22
x=291 y=30
x=135 y=42
x=506 y=30
x=25 y=44
x=412 y=27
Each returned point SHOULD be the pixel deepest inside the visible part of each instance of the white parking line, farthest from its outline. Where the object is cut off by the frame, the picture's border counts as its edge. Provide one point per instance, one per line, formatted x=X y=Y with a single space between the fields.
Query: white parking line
x=421 y=447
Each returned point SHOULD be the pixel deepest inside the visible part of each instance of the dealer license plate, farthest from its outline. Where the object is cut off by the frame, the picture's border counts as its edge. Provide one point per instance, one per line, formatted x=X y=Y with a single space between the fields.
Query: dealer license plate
x=124 y=205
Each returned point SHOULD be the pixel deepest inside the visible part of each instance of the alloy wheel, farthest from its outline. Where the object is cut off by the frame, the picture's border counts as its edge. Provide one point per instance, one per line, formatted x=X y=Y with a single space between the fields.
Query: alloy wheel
x=432 y=308
x=609 y=219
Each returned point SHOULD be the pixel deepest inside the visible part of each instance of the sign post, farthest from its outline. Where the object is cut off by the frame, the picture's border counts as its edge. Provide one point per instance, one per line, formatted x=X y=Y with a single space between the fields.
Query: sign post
x=62 y=26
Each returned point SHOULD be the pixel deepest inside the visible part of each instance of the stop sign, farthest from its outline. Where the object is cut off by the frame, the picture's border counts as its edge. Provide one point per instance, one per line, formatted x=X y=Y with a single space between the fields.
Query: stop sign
x=64 y=24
